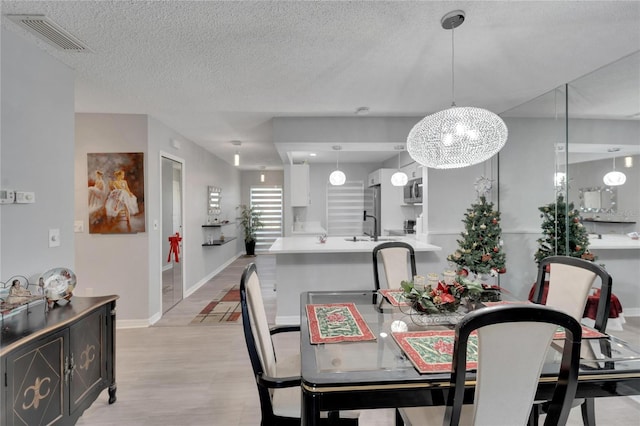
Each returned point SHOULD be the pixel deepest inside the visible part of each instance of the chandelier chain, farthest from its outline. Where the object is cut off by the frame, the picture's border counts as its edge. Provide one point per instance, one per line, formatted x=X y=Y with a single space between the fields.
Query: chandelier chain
x=453 y=75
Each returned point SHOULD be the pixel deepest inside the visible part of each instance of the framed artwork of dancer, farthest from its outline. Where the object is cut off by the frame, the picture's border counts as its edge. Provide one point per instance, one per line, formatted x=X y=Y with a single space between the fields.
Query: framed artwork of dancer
x=116 y=193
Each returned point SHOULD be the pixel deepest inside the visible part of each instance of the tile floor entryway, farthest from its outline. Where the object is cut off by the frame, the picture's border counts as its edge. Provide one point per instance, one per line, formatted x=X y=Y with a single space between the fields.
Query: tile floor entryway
x=175 y=374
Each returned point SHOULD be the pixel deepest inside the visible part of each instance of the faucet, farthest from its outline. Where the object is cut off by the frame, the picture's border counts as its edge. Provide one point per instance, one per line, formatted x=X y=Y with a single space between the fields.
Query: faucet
x=375 y=224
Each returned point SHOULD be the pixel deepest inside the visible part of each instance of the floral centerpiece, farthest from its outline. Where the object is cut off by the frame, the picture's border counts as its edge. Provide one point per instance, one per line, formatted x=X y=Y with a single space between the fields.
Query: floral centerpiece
x=445 y=296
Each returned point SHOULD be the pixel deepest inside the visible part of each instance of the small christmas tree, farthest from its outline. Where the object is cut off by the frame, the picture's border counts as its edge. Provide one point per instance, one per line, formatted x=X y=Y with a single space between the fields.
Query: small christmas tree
x=554 y=230
x=479 y=249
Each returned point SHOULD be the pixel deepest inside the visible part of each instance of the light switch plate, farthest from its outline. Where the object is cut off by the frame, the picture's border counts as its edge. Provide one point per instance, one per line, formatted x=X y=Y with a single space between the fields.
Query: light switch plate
x=78 y=226
x=23 y=197
x=7 y=196
x=54 y=237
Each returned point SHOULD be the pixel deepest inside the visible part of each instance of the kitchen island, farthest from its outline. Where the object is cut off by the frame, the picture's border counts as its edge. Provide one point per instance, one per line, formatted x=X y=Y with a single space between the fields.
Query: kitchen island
x=305 y=264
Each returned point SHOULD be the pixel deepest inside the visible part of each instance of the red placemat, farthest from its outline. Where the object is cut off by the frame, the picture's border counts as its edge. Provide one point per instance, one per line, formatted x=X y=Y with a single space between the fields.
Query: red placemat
x=337 y=322
x=395 y=297
x=587 y=333
x=432 y=351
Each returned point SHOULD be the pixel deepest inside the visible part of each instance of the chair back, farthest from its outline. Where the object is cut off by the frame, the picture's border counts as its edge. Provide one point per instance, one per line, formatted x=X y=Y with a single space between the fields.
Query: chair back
x=399 y=261
x=255 y=324
x=513 y=341
x=570 y=282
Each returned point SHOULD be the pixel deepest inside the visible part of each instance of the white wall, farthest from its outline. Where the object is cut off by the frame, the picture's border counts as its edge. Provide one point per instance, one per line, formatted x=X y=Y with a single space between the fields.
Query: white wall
x=130 y=264
x=526 y=170
x=36 y=148
x=38 y=153
x=112 y=263
x=201 y=169
x=342 y=129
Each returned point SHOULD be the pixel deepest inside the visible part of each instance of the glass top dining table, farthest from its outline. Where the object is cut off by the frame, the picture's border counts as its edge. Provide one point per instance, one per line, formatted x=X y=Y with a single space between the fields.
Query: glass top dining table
x=370 y=371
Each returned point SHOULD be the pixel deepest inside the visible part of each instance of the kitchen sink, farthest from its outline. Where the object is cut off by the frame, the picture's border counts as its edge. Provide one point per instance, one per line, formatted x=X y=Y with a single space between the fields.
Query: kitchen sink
x=356 y=239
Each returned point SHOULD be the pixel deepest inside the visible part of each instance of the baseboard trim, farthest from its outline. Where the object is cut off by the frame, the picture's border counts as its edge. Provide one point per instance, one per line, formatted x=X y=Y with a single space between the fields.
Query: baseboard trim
x=631 y=312
x=157 y=316
x=203 y=281
x=120 y=324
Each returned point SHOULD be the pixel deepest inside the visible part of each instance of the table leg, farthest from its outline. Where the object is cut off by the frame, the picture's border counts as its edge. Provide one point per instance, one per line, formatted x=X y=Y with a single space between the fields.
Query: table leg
x=310 y=412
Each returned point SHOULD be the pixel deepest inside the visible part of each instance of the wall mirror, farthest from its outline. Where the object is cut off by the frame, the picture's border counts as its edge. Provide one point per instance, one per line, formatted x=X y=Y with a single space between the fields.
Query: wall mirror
x=578 y=130
x=598 y=200
x=604 y=135
x=214 y=195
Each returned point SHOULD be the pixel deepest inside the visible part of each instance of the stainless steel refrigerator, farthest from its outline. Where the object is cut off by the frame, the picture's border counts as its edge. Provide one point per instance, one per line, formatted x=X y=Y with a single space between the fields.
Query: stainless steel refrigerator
x=372 y=205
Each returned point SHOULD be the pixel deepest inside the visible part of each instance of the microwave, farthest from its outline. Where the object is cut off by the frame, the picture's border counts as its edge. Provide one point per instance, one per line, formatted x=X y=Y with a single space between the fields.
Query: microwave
x=413 y=191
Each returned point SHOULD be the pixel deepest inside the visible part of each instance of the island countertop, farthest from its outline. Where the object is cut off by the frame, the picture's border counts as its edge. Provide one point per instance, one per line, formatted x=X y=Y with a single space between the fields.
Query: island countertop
x=616 y=241
x=293 y=245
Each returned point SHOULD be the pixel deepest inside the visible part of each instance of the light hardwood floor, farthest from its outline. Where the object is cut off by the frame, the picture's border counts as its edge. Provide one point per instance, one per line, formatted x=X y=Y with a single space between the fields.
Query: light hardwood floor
x=177 y=374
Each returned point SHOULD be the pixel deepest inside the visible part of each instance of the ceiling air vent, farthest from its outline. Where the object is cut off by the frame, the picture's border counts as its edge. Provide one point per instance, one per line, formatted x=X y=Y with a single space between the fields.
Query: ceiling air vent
x=50 y=32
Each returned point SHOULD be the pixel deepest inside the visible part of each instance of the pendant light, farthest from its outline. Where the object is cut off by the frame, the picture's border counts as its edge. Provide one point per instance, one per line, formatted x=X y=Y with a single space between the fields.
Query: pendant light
x=458 y=136
x=337 y=178
x=399 y=178
x=262 y=173
x=614 y=178
x=628 y=162
x=236 y=156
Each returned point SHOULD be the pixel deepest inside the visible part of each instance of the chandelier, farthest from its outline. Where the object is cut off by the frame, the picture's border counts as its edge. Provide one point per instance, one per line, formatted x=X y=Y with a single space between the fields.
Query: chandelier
x=458 y=136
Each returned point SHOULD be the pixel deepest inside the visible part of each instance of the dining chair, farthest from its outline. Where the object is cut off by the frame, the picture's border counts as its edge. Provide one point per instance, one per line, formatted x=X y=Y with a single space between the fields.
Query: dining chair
x=278 y=380
x=513 y=340
x=567 y=282
x=398 y=260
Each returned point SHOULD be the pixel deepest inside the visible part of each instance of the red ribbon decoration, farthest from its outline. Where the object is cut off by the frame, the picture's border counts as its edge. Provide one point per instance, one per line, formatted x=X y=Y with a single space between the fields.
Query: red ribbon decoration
x=174 y=247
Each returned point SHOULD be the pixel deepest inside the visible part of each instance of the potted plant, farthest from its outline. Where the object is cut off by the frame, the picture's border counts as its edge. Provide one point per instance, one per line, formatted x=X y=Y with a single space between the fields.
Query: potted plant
x=250 y=222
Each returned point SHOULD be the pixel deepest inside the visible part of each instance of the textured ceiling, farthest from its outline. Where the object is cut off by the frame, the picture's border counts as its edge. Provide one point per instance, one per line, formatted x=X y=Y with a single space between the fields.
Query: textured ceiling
x=220 y=71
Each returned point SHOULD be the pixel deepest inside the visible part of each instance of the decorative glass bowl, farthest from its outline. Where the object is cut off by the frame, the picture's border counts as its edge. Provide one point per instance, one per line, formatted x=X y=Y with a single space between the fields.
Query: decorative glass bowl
x=58 y=283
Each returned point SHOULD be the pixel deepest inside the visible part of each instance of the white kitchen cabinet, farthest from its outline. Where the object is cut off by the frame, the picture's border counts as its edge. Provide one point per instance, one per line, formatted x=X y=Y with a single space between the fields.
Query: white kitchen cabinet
x=413 y=170
x=375 y=178
x=299 y=181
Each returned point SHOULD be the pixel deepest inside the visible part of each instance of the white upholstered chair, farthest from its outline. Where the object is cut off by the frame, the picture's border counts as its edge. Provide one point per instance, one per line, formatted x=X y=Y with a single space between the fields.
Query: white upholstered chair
x=278 y=380
x=513 y=341
x=570 y=281
x=398 y=260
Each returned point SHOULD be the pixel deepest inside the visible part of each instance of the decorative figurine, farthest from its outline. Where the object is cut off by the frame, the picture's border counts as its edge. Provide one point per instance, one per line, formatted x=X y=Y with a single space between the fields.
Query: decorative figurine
x=17 y=294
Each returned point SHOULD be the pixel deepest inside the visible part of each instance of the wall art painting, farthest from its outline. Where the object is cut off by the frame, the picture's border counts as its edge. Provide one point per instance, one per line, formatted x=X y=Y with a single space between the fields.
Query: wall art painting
x=116 y=193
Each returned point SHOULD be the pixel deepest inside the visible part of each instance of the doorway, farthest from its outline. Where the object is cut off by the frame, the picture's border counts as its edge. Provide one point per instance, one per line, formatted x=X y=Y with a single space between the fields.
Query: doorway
x=172 y=256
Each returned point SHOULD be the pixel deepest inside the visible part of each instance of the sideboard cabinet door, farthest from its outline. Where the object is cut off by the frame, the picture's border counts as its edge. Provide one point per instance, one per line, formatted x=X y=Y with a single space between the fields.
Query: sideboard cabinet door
x=36 y=382
x=87 y=344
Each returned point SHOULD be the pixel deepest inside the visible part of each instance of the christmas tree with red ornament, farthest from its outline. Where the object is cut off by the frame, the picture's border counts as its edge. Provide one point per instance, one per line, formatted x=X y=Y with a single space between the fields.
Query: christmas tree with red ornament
x=554 y=229
x=479 y=250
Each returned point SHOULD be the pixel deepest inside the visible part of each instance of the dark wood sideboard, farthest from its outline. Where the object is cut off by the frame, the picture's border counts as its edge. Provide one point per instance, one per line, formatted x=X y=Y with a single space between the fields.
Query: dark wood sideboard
x=54 y=368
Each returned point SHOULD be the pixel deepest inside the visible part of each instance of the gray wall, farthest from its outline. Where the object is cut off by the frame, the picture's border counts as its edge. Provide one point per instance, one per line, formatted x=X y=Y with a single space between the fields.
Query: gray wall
x=112 y=263
x=37 y=154
x=131 y=264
